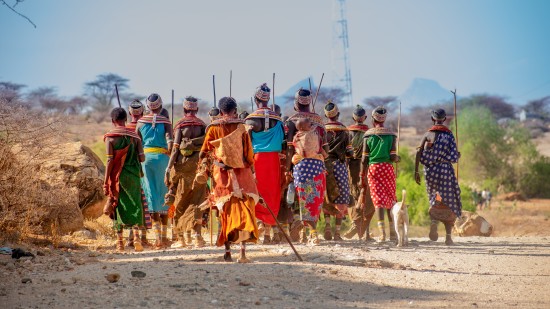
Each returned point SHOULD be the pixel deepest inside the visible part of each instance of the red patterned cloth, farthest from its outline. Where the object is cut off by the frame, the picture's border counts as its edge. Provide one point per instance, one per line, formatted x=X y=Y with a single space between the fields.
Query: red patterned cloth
x=268 y=175
x=381 y=177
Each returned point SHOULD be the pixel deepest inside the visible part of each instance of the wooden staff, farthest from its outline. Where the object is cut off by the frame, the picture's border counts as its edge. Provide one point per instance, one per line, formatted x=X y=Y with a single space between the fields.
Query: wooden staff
x=230 y=81
x=273 y=93
x=456 y=130
x=311 y=93
x=262 y=201
x=211 y=232
x=172 y=108
x=252 y=103
x=318 y=89
x=398 y=137
x=214 y=87
x=117 y=97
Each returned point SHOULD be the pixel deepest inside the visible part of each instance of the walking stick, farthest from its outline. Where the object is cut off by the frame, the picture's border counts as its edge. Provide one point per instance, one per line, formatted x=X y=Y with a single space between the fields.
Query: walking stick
x=214 y=87
x=273 y=93
x=230 y=81
x=398 y=135
x=211 y=232
x=318 y=89
x=117 y=97
x=172 y=126
x=456 y=129
x=311 y=93
x=262 y=201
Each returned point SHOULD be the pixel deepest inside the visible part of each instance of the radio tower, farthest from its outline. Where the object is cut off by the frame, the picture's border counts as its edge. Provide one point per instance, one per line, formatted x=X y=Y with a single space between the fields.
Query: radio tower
x=340 y=52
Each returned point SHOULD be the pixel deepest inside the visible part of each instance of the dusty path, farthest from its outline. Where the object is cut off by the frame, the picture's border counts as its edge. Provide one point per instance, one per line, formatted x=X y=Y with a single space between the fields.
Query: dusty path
x=479 y=272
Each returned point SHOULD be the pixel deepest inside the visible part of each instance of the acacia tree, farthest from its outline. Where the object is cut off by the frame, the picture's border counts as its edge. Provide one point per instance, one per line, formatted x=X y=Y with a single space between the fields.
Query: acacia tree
x=540 y=107
x=373 y=102
x=102 y=90
x=10 y=92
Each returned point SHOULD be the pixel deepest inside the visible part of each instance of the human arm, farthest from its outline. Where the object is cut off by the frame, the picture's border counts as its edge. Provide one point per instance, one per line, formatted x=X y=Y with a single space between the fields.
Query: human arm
x=169 y=136
x=141 y=154
x=364 y=161
x=290 y=148
x=173 y=156
x=419 y=151
x=109 y=167
x=394 y=156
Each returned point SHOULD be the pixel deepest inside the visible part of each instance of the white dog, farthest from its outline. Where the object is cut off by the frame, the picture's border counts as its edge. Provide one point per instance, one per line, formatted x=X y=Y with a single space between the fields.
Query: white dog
x=400 y=215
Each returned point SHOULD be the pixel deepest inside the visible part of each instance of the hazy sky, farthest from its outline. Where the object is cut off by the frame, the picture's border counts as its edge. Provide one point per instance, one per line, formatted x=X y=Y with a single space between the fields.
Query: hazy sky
x=490 y=46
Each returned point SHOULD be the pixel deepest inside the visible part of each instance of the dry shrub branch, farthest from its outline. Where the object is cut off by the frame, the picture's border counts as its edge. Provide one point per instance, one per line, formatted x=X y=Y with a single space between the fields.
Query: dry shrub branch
x=28 y=205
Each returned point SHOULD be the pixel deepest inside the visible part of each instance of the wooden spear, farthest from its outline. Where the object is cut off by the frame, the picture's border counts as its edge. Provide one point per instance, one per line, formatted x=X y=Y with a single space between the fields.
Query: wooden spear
x=117 y=97
x=273 y=93
x=398 y=138
x=456 y=130
x=318 y=89
x=172 y=108
x=262 y=201
x=230 y=81
x=214 y=87
x=311 y=93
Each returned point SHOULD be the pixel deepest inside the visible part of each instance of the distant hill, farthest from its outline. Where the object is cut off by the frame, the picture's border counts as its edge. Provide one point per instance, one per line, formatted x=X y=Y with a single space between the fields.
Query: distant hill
x=424 y=92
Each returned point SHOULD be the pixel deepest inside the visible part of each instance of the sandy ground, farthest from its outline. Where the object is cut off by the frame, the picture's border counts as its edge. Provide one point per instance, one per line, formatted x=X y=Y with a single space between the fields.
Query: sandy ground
x=477 y=272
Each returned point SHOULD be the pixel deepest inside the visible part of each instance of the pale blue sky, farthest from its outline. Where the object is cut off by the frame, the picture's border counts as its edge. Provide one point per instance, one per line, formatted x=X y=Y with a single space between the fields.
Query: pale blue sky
x=490 y=46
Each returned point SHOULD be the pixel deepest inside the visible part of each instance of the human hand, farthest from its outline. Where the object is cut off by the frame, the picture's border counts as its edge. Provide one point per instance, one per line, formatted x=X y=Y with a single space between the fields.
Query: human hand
x=417 y=177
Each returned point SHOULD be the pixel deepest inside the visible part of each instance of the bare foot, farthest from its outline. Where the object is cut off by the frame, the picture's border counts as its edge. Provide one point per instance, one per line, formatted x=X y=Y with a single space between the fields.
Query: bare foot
x=227 y=257
x=244 y=260
x=449 y=241
x=433 y=232
x=138 y=247
x=178 y=244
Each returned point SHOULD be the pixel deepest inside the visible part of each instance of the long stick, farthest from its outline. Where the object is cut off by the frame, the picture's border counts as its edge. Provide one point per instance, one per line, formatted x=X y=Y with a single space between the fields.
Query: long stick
x=214 y=87
x=252 y=104
x=172 y=108
x=318 y=89
x=211 y=232
x=311 y=93
x=230 y=81
x=282 y=231
x=398 y=137
x=273 y=93
x=456 y=129
x=117 y=97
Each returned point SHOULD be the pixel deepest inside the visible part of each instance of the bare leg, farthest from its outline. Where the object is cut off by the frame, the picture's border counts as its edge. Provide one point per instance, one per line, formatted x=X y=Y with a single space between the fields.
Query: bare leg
x=328 y=228
x=137 y=241
x=448 y=230
x=338 y=226
x=164 y=231
x=433 y=230
x=227 y=255
x=381 y=227
x=119 y=240
x=243 y=258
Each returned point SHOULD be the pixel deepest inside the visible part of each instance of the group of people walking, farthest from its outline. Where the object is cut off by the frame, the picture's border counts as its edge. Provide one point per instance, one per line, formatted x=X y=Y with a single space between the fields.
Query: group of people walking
x=247 y=167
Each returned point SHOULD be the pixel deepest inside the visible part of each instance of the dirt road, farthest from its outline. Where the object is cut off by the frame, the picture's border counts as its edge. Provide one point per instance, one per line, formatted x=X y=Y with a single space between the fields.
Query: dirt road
x=495 y=272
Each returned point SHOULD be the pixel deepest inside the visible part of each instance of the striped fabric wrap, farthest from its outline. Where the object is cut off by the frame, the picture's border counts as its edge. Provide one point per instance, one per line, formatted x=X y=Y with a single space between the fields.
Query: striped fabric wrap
x=121 y=131
x=189 y=121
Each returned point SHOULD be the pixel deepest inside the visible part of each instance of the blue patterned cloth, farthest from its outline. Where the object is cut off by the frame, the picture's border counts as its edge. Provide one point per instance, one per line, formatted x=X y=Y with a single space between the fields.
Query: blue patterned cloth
x=342 y=178
x=309 y=180
x=439 y=173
